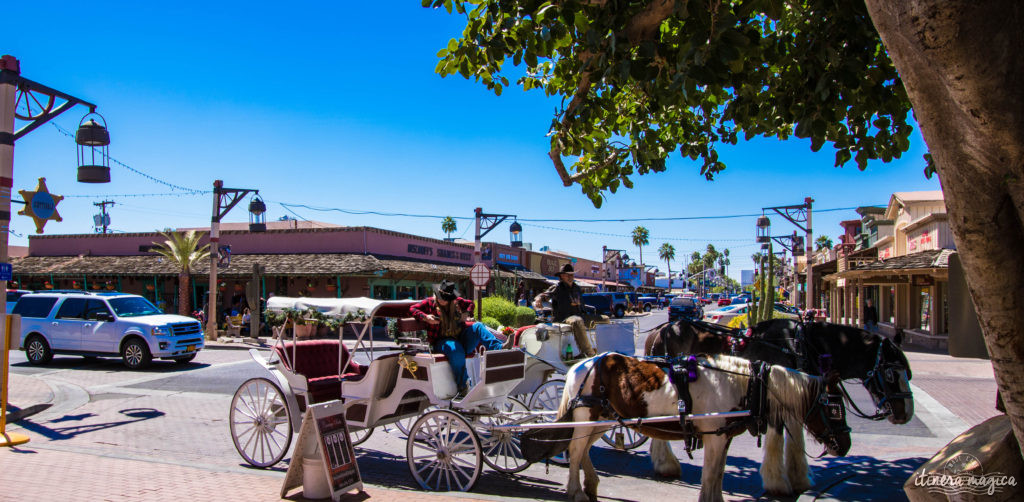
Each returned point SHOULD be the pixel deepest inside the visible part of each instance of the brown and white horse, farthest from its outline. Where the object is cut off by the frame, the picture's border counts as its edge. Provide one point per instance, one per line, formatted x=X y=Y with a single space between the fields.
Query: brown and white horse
x=634 y=388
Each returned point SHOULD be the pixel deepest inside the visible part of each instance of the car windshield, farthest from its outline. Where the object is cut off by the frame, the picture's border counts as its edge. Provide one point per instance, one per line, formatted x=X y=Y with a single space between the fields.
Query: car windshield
x=682 y=302
x=133 y=306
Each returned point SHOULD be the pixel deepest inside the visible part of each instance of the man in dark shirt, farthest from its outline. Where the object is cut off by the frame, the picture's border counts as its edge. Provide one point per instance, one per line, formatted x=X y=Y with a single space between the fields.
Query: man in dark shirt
x=567 y=307
x=450 y=330
x=870 y=316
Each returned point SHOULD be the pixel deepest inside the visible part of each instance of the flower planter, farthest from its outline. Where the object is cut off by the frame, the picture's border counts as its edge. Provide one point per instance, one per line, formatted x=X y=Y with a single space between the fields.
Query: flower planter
x=304 y=331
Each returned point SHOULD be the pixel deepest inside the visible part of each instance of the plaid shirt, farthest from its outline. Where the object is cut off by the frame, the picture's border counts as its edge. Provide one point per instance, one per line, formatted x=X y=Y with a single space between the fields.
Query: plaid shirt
x=429 y=307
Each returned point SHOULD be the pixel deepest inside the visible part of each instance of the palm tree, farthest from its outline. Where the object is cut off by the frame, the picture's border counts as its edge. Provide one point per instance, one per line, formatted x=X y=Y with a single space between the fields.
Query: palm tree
x=641 y=239
x=822 y=242
x=448 y=226
x=667 y=252
x=184 y=250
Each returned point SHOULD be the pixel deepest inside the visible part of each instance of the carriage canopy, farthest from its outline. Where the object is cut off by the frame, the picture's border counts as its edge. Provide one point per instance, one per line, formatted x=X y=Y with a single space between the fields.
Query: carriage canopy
x=340 y=307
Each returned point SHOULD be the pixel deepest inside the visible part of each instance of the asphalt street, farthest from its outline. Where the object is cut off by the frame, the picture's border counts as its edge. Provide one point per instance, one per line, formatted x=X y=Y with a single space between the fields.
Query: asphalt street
x=178 y=415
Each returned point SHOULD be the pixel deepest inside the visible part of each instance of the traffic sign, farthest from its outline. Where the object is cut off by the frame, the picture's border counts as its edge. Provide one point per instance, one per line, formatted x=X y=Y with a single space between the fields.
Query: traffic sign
x=480 y=275
x=6 y=272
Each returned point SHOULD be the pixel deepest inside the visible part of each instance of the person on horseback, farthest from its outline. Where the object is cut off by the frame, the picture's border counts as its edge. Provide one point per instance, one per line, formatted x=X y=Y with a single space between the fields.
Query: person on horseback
x=566 y=299
x=450 y=329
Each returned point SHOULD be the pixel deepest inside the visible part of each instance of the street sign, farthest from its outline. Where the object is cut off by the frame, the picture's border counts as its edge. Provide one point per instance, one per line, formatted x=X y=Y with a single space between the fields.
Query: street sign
x=480 y=275
x=6 y=272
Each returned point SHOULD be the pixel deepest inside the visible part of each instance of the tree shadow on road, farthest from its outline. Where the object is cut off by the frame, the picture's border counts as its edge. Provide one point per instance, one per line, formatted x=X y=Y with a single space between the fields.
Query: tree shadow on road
x=108 y=364
x=60 y=433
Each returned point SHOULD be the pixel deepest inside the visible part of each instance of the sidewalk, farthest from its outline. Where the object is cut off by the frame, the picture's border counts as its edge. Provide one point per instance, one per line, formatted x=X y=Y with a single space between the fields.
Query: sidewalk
x=41 y=474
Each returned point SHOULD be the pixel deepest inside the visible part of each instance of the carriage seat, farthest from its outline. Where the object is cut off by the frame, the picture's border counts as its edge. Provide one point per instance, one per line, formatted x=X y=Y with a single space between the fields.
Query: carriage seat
x=317 y=360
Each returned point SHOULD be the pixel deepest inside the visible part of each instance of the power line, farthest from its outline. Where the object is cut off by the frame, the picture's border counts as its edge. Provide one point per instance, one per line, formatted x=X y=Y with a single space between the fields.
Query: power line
x=605 y=234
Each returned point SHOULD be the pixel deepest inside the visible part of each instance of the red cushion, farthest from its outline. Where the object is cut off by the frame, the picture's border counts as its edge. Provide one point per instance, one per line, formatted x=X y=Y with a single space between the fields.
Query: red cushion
x=318 y=358
x=519 y=331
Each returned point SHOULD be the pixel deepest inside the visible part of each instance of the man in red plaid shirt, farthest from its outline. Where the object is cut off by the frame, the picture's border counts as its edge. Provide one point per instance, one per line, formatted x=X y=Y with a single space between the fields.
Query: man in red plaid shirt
x=451 y=331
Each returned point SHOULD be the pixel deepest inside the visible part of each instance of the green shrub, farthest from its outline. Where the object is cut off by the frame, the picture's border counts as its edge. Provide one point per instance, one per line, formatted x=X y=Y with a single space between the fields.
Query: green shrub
x=499 y=308
x=524 y=316
x=491 y=322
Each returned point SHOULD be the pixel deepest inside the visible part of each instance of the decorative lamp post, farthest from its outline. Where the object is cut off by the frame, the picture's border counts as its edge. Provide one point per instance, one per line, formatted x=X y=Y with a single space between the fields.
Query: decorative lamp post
x=764 y=228
x=257 y=215
x=800 y=216
x=92 y=139
x=224 y=199
x=516 y=234
x=484 y=224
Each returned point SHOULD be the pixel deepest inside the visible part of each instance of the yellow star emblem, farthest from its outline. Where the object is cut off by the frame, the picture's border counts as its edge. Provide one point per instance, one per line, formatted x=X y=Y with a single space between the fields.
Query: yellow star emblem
x=41 y=205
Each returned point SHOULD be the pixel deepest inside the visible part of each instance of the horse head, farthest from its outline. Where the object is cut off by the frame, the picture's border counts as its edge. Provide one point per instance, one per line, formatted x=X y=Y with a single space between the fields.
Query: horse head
x=826 y=417
x=888 y=382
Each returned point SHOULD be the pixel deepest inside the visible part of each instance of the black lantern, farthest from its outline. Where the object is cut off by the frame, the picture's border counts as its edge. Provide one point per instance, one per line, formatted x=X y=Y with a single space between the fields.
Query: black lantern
x=763 y=230
x=764 y=247
x=257 y=215
x=516 y=234
x=798 y=245
x=92 y=139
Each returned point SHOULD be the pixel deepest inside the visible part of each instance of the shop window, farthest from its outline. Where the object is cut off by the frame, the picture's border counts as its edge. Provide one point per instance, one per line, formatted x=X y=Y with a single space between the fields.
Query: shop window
x=926 y=310
x=382 y=292
x=405 y=293
x=892 y=304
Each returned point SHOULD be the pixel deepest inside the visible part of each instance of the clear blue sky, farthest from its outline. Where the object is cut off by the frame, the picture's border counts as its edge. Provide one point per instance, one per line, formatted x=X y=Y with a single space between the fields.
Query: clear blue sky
x=338 y=106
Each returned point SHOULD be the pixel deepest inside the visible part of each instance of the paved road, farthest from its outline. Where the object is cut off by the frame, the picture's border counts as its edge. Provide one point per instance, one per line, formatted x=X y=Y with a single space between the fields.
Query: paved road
x=178 y=415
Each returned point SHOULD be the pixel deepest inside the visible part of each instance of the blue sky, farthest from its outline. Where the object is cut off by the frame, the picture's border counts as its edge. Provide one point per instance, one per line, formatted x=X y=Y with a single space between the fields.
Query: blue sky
x=338 y=106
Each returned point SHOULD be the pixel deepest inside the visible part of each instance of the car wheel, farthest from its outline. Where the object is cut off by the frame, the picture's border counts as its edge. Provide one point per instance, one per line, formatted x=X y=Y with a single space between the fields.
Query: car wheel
x=38 y=351
x=620 y=312
x=136 y=354
x=647 y=307
x=185 y=360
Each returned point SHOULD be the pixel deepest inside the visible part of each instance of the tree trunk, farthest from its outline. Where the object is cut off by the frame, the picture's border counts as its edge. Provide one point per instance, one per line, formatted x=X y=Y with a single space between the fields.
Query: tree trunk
x=184 y=298
x=960 y=63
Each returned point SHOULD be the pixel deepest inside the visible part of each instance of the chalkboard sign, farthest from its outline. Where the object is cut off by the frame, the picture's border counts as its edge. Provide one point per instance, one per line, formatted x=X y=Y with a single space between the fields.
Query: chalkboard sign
x=338 y=454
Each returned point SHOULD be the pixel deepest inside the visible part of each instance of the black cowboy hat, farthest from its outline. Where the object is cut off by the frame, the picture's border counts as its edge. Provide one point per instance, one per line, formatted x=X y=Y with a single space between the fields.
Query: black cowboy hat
x=446 y=290
x=567 y=269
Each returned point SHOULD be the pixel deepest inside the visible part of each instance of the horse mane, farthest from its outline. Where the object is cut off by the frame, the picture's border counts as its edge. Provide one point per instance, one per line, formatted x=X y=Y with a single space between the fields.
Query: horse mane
x=792 y=393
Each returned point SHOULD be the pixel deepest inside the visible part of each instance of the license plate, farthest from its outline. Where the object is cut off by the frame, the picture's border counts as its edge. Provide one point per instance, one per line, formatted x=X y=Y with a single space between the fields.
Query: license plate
x=190 y=348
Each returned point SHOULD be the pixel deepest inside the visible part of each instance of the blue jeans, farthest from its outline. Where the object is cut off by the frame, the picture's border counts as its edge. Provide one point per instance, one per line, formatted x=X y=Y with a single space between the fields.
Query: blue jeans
x=871 y=326
x=456 y=349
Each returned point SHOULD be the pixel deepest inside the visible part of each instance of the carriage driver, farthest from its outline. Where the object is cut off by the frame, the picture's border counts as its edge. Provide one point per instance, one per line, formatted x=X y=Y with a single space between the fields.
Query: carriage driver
x=451 y=331
x=566 y=299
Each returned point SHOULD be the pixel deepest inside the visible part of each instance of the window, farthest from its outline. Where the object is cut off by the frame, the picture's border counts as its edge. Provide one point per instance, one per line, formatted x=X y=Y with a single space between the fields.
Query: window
x=133 y=306
x=406 y=293
x=72 y=308
x=96 y=309
x=34 y=307
x=382 y=292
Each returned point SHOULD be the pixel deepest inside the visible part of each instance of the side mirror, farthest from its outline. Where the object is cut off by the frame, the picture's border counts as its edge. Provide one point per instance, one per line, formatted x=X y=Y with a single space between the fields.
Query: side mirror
x=104 y=317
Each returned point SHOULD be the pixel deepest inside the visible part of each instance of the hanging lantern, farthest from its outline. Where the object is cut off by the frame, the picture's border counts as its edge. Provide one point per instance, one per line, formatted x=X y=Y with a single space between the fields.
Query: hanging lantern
x=516 y=231
x=93 y=138
x=257 y=215
x=798 y=245
x=764 y=230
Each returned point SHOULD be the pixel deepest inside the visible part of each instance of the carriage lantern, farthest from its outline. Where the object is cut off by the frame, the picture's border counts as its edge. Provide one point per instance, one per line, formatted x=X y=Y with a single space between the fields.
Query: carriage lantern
x=257 y=215
x=516 y=231
x=763 y=230
x=92 y=139
x=798 y=245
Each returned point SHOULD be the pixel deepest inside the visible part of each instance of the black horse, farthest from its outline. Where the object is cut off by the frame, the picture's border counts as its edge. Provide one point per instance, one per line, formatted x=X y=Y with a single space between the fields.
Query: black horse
x=815 y=348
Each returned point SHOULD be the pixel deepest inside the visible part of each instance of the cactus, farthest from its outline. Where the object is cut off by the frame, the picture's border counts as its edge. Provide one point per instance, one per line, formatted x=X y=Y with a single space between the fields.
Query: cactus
x=762 y=305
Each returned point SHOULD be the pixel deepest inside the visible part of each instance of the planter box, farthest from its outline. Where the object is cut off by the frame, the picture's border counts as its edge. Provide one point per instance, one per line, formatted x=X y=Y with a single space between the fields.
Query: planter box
x=304 y=331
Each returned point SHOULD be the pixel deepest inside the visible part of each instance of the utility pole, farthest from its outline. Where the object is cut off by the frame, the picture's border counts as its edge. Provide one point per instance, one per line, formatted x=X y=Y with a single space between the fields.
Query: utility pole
x=104 y=219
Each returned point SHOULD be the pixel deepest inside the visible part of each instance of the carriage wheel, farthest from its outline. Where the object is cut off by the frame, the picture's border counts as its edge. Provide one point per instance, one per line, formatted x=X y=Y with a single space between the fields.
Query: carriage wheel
x=501 y=448
x=547 y=398
x=359 y=436
x=405 y=424
x=260 y=425
x=443 y=452
x=631 y=438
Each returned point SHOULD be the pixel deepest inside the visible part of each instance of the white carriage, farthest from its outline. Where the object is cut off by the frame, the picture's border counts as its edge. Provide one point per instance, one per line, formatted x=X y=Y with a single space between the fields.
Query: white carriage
x=450 y=436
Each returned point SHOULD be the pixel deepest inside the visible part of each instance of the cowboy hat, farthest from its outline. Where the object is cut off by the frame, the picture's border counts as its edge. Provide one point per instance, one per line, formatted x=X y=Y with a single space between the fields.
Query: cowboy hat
x=567 y=269
x=446 y=290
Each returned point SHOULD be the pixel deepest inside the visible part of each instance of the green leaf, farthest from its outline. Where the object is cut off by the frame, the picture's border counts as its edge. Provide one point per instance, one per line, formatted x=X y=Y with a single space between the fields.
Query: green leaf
x=453 y=45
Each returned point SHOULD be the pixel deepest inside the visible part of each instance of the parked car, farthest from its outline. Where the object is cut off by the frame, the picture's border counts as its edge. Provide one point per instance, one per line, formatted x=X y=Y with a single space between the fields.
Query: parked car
x=646 y=303
x=104 y=324
x=724 y=301
x=12 y=297
x=737 y=300
x=682 y=307
x=611 y=304
x=726 y=314
x=666 y=300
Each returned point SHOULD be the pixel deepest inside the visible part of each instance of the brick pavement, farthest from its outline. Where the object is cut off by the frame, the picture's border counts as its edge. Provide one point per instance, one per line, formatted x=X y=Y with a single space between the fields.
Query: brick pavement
x=28 y=473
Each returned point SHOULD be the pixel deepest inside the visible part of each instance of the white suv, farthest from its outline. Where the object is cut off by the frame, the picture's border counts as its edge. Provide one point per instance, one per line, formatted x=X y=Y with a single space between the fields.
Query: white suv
x=104 y=324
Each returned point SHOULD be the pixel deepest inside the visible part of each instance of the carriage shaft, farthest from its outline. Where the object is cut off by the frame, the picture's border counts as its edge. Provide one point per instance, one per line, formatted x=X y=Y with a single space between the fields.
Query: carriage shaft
x=628 y=421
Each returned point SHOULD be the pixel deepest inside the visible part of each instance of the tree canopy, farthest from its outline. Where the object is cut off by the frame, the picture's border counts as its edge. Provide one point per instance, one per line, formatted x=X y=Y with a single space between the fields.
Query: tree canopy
x=642 y=80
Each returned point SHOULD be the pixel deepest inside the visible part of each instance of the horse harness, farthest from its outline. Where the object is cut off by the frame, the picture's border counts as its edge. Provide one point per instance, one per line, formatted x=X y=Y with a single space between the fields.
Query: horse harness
x=880 y=374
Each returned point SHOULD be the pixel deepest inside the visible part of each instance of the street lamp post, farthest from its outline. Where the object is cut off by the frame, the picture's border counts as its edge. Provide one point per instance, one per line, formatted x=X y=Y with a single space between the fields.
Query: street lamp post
x=224 y=199
x=799 y=215
x=40 y=106
x=484 y=224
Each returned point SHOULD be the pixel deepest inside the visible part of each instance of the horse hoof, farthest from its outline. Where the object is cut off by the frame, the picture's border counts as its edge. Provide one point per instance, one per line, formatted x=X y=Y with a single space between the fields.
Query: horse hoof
x=670 y=471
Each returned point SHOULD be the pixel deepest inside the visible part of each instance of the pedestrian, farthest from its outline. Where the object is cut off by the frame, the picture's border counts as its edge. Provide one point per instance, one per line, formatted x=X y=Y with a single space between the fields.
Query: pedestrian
x=566 y=299
x=450 y=329
x=870 y=316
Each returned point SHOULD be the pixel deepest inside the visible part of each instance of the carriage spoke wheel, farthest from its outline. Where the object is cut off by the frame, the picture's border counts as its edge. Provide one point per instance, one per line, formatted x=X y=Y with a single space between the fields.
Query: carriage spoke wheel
x=501 y=448
x=260 y=425
x=443 y=452
x=359 y=436
x=405 y=424
x=631 y=438
x=547 y=398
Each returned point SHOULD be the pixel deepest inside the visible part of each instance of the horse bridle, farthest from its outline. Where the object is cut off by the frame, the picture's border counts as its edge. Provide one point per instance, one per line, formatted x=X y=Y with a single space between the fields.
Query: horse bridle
x=875 y=383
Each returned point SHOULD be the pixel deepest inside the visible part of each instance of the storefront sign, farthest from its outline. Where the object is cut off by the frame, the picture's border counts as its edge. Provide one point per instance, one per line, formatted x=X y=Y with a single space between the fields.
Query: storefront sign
x=923 y=280
x=40 y=205
x=549 y=266
x=439 y=252
x=508 y=259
